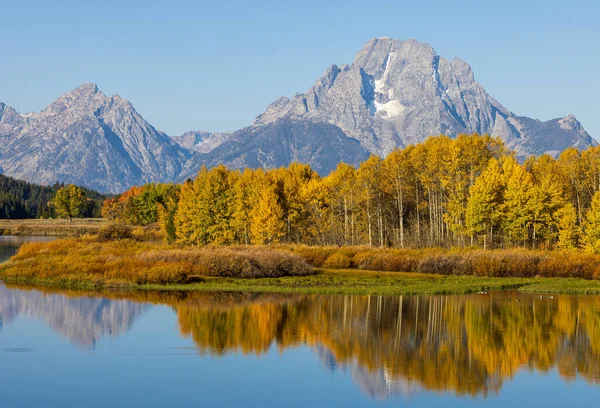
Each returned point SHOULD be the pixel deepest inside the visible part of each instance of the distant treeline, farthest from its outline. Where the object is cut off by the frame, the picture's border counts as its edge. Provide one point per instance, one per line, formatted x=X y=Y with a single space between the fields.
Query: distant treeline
x=20 y=200
x=468 y=191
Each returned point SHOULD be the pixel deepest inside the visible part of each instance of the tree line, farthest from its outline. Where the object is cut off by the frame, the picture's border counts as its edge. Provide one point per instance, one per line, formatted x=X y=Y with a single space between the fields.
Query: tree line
x=21 y=200
x=467 y=191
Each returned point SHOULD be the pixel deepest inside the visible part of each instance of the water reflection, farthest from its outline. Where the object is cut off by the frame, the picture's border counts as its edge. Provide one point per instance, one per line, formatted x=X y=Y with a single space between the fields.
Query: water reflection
x=81 y=319
x=467 y=345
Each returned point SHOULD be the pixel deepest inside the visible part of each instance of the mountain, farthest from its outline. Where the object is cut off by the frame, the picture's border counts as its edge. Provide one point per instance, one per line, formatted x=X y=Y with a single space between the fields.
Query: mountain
x=393 y=94
x=201 y=141
x=400 y=92
x=322 y=145
x=90 y=139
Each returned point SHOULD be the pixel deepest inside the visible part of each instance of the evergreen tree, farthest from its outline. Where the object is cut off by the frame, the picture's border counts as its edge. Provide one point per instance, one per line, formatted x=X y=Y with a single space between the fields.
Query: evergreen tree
x=20 y=199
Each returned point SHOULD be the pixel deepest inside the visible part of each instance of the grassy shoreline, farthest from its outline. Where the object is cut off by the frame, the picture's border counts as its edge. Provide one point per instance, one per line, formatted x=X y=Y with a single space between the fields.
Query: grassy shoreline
x=93 y=263
x=51 y=227
x=348 y=282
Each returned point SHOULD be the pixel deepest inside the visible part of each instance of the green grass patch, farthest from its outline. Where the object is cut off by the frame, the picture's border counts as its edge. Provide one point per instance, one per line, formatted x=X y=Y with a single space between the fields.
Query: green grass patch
x=564 y=285
x=323 y=282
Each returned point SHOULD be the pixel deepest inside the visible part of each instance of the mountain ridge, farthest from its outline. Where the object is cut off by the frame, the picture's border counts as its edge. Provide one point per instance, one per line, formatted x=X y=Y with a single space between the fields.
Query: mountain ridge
x=88 y=138
x=394 y=93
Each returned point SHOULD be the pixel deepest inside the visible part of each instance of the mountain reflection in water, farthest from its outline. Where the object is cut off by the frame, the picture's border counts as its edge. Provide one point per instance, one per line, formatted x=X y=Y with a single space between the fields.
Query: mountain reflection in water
x=82 y=319
x=467 y=345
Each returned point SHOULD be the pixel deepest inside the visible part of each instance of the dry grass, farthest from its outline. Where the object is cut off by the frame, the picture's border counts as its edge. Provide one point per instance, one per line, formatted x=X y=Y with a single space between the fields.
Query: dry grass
x=498 y=263
x=122 y=262
x=51 y=227
x=128 y=261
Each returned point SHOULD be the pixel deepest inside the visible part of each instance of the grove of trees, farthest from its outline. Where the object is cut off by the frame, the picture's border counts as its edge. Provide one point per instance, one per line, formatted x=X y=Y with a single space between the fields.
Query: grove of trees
x=20 y=200
x=467 y=191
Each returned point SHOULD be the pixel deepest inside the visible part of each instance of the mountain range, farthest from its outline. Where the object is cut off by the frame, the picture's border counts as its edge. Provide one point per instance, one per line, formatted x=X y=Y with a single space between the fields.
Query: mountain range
x=393 y=94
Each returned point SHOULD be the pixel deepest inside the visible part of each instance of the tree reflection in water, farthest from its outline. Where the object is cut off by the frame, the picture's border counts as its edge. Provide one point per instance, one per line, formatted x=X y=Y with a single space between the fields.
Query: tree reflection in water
x=468 y=345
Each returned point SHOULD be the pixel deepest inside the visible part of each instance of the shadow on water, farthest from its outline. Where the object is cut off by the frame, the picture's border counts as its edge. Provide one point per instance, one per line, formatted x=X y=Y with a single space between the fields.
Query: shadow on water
x=467 y=345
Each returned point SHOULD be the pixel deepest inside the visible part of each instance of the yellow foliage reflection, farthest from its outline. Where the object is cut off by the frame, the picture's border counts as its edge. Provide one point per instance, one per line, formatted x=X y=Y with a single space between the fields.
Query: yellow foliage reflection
x=464 y=344
x=468 y=345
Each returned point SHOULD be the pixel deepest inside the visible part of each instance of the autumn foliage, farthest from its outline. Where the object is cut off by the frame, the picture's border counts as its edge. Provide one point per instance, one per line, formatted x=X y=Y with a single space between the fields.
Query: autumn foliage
x=465 y=192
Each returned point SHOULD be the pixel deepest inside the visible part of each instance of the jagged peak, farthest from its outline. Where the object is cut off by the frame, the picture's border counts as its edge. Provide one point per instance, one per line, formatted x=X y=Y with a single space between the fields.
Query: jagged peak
x=463 y=71
x=328 y=77
x=8 y=111
x=376 y=52
x=88 y=86
x=85 y=90
x=570 y=122
x=82 y=94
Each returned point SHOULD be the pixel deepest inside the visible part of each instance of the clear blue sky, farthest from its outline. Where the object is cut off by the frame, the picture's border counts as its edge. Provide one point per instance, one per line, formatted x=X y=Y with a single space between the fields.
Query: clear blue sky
x=215 y=65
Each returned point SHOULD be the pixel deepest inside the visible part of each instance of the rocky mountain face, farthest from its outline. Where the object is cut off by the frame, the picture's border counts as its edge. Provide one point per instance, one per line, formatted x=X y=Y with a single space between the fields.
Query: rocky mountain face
x=201 y=141
x=320 y=144
x=400 y=92
x=90 y=139
x=394 y=93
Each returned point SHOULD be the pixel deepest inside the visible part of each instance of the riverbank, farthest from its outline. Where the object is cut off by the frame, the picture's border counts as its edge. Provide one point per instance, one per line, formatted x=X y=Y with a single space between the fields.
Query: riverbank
x=347 y=282
x=90 y=263
x=51 y=227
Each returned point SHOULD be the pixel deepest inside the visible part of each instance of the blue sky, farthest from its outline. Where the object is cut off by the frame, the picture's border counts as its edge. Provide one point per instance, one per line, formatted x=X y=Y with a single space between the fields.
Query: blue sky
x=216 y=65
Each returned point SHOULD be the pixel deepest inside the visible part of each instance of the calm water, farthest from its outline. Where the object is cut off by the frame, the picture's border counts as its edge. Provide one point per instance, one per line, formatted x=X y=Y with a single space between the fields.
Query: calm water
x=10 y=244
x=75 y=349
x=70 y=349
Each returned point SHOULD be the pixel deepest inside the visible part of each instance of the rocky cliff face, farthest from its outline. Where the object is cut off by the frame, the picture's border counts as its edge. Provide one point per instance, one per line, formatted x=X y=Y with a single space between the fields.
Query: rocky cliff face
x=319 y=144
x=201 y=141
x=400 y=92
x=88 y=138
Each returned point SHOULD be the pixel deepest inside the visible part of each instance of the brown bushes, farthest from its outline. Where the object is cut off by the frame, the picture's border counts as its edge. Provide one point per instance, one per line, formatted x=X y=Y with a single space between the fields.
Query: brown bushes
x=236 y=262
x=337 y=261
x=113 y=232
x=128 y=261
x=496 y=263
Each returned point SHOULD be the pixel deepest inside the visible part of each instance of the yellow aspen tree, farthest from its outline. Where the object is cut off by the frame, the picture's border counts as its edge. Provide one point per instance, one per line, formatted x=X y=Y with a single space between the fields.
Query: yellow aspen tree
x=569 y=163
x=293 y=179
x=546 y=200
x=518 y=214
x=246 y=193
x=484 y=203
x=468 y=158
x=368 y=178
x=399 y=182
x=217 y=197
x=592 y=226
x=316 y=197
x=268 y=224
x=185 y=230
x=568 y=230
x=342 y=187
